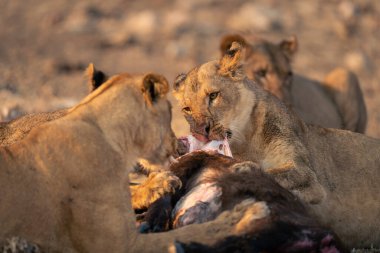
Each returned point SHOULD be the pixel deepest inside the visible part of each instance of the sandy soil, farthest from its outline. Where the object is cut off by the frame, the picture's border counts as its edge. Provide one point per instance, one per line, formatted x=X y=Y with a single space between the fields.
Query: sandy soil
x=45 y=45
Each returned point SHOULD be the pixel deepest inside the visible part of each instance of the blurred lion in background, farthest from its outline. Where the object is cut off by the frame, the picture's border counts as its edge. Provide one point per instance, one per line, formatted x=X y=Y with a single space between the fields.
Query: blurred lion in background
x=336 y=102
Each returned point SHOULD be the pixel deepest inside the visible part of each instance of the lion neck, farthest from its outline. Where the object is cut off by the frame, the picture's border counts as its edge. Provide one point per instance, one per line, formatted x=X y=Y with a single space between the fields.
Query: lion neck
x=118 y=117
x=270 y=132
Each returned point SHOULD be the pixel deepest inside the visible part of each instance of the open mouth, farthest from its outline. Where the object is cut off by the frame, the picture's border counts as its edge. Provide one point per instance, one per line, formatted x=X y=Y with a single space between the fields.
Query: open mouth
x=192 y=144
x=213 y=134
x=201 y=137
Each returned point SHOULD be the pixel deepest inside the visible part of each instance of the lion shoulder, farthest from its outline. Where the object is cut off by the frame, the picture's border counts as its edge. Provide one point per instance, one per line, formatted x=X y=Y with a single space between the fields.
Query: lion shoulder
x=17 y=129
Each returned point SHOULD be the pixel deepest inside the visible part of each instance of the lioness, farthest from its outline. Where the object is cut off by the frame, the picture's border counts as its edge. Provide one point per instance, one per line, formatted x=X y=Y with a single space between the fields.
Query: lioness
x=63 y=185
x=336 y=102
x=337 y=172
x=142 y=194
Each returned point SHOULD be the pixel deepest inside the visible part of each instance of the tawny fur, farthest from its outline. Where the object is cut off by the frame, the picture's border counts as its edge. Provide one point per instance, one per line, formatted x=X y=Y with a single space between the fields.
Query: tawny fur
x=336 y=102
x=335 y=171
x=64 y=186
x=157 y=185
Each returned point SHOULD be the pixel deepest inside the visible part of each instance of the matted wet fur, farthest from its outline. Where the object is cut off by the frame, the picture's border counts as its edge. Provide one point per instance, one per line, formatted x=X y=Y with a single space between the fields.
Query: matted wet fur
x=276 y=222
x=335 y=102
x=65 y=187
x=335 y=171
x=17 y=129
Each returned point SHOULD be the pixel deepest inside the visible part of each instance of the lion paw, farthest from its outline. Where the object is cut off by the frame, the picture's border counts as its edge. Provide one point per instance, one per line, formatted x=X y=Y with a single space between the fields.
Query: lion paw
x=157 y=185
x=164 y=182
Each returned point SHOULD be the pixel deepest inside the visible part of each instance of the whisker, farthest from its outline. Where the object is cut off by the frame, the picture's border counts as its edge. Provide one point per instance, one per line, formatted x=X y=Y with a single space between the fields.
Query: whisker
x=236 y=134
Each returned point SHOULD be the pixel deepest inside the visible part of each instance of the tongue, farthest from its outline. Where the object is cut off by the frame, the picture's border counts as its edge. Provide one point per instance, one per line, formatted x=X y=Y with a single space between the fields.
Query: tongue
x=193 y=144
x=200 y=137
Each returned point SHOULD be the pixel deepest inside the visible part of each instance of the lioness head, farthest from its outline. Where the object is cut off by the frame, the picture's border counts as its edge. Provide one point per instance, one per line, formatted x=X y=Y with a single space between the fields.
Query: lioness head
x=158 y=123
x=213 y=109
x=139 y=102
x=155 y=136
x=267 y=63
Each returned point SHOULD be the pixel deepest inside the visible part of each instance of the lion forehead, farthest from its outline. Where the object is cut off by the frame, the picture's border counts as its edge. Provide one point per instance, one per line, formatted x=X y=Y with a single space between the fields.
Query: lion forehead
x=270 y=55
x=201 y=77
x=207 y=71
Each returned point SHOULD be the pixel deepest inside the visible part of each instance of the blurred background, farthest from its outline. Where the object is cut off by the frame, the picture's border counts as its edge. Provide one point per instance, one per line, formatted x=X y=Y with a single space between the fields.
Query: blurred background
x=45 y=46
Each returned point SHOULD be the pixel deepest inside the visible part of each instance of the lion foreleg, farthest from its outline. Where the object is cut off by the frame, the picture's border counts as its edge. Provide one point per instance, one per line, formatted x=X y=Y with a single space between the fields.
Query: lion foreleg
x=157 y=185
x=299 y=179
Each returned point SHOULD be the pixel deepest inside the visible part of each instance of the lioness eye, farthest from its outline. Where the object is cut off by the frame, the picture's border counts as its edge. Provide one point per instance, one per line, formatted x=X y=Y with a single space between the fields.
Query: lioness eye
x=186 y=110
x=261 y=73
x=213 y=95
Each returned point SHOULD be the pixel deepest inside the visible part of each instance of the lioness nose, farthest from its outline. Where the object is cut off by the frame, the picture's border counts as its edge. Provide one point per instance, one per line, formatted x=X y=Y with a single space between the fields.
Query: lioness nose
x=202 y=129
x=207 y=129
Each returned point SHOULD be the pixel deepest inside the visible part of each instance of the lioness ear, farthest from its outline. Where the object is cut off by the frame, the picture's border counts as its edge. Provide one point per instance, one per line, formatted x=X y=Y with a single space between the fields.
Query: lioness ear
x=95 y=77
x=289 y=46
x=231 y=63
x=154 y=87
x=226 y=42
x=178 y=82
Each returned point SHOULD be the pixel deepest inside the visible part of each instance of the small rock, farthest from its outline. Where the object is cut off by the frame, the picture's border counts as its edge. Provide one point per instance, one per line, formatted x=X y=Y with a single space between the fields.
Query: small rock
x=347 y=20
x=175 y=50
x=9 y=87
x=344 y=29
x=135 y=28
x=255 y=17
x=142 y=24
x=83 y=18
x=175 y=22
x=10 y=113
x=357 y=61
x=347 y=10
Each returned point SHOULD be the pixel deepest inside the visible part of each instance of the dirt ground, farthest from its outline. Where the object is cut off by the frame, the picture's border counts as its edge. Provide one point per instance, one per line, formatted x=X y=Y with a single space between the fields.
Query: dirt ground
x=46 y=45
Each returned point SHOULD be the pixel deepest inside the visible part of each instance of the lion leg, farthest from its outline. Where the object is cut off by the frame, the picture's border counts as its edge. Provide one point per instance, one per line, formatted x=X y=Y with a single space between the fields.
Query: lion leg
x=344 y=89
x=300 y=180
x=156 y=186
x=97 y=220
